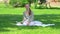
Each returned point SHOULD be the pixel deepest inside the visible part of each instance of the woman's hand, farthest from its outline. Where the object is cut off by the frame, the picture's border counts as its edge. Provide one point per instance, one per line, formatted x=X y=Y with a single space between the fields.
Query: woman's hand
x=28 y=23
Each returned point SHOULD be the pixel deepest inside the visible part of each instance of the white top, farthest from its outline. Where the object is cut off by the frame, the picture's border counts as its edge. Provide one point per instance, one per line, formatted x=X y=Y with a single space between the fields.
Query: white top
x=27 y=17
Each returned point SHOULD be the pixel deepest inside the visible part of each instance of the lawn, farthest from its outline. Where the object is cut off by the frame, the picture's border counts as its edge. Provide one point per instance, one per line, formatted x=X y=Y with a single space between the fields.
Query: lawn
x=9 y=16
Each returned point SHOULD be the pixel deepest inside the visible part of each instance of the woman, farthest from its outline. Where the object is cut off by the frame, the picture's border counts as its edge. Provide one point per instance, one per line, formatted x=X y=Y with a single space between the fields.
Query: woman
x=28 y=18
x=28 y=15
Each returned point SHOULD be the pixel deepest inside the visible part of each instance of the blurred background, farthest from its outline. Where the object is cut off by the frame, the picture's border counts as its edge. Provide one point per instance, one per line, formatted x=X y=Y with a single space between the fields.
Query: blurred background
x=33 y=3
x=46 y=11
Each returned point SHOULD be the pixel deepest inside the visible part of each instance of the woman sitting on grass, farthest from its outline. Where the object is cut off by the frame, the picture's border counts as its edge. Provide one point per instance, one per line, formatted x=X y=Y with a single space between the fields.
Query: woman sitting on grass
x=28 y=19
x=28 y=15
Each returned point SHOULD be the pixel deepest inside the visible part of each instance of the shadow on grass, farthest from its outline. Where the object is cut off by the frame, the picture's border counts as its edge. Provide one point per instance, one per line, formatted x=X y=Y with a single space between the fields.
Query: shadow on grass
x=4 y=30
x=7 y=21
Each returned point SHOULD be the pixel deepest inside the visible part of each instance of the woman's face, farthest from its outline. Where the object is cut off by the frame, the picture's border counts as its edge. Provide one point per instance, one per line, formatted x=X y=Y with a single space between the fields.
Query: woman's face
x=27 y=6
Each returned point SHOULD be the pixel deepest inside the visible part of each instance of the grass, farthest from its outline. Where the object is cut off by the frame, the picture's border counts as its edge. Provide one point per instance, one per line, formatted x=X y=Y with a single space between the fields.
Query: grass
x=9 y=16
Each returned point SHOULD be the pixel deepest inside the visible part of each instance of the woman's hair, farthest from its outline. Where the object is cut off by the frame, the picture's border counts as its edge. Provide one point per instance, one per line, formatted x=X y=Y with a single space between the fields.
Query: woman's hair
x=29 y=11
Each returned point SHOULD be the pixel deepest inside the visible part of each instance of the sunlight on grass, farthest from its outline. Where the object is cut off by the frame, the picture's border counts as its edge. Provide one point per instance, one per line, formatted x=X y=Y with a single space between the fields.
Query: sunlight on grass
x=21 y=10
x=39 y=30
x=11 y=15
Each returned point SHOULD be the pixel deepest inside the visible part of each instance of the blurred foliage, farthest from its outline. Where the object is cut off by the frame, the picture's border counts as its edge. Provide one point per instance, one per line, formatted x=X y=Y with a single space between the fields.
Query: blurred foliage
x=17 y=3
x=21 y=3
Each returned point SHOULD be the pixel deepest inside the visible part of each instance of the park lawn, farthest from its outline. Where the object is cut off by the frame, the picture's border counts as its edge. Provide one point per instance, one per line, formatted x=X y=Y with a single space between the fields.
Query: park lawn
x=9 y=16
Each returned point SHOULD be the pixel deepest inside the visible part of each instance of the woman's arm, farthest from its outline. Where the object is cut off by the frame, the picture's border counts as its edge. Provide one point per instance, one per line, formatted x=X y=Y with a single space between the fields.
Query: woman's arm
x=30 y=19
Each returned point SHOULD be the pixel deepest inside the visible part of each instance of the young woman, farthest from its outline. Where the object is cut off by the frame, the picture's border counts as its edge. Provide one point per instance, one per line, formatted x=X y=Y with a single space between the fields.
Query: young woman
x=28 y=18
x=27 y=15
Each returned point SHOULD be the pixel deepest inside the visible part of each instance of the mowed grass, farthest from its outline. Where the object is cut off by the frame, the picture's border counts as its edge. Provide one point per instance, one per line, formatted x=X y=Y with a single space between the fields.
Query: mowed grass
x=9 y=16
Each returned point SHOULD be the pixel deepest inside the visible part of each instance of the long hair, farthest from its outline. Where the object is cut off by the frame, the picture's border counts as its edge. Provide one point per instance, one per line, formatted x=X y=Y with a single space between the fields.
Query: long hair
x=29 y=11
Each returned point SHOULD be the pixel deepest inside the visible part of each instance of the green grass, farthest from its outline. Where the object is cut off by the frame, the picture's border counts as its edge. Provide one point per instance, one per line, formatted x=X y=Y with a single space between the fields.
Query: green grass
x=9 y=16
